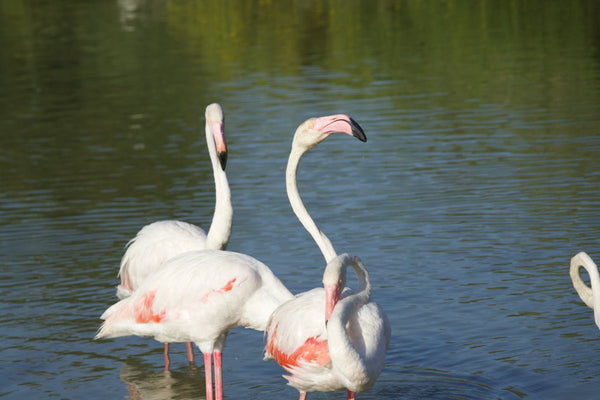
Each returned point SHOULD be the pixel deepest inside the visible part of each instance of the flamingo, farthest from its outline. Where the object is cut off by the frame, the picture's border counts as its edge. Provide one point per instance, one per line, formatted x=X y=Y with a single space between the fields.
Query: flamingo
x=199 y=295
x=591 y=297
x=159 y=241
x=327 y=340
x=330 y=340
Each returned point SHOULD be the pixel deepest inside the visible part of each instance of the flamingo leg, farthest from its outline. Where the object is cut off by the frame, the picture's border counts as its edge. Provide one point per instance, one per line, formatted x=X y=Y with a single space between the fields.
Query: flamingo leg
x=190 y=351
x=302 y=396
x=167 y=360
x=208 y=376
x=218 y=375
x=351 y=396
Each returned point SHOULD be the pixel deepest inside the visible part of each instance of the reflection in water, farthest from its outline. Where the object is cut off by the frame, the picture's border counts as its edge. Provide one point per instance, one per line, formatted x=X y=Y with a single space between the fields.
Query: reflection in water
x=128 y=13
x=145 y=383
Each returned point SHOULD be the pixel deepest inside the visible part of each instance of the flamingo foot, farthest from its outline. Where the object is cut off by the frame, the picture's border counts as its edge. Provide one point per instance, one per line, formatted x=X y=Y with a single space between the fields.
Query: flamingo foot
x=167 y=360
x=190 y=352
x=208 y=376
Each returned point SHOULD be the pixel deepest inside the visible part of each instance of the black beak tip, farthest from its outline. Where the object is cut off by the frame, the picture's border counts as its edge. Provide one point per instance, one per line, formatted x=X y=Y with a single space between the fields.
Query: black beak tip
x=357 y=131
x=223 y=159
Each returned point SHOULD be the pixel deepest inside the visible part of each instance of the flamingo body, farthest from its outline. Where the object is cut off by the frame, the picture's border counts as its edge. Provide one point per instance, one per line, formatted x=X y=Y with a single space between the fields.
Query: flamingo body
x=346 y=353
x=304 y=338
x=198 y=297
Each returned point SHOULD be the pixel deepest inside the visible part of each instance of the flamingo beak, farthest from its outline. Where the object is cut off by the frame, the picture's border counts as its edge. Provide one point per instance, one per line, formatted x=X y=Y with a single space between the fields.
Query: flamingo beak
x=341 y=123
x=357 y=131
x=332 y=296
x=218 y=130
x=223 y=159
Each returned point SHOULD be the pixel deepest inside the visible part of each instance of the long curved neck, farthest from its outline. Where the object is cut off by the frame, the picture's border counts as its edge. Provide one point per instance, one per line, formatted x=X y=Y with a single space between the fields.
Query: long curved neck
x=591 y=297
x=294 y=197
x=346 y=359
x=220 y=227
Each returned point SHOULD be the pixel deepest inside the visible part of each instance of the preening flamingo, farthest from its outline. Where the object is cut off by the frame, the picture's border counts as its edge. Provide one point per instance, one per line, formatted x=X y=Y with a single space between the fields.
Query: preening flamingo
x=199 y=296
x=348 y=351
x=590 y=296
x=331 y=340
x=157 y=242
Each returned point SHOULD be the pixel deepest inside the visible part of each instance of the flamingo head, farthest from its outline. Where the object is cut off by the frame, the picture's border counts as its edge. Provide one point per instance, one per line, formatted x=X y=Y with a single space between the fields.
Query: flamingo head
x=334 y=280
x=216 y=123
x=314 y=130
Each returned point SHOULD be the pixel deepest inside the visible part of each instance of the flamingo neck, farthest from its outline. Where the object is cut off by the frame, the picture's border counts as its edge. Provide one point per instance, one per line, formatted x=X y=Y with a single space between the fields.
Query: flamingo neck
x=347 y=361
x=220 y=227
x=591 y=297
x=298 y=206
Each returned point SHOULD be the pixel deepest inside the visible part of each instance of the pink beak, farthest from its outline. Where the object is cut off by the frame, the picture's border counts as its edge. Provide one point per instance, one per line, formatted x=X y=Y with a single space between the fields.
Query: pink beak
x=218 y=130
x=341 y=123
x=332 y=296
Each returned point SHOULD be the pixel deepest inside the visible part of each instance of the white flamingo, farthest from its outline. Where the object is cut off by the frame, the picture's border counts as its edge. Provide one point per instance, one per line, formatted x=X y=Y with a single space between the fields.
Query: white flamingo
x=159 y=241
x=330 y=340
x=590 y=296
x=198 y=296
x=325 y=343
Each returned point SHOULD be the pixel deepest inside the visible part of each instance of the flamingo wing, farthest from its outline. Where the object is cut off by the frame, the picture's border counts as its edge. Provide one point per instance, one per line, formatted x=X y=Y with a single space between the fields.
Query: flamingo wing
x=153 y=245
x=295 y=330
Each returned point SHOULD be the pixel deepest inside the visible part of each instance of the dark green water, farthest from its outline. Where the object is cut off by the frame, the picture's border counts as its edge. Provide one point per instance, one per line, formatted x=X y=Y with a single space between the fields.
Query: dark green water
x=479 y=181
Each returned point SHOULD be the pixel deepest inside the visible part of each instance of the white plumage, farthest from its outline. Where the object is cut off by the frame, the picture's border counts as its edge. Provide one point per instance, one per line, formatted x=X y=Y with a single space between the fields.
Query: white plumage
x=347 y=352
x=152 y=246
x=198 y=297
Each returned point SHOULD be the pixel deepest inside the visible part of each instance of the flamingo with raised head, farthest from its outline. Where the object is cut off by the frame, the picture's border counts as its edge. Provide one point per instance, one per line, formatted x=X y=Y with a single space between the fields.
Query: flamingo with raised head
x=198 y=296
x=590 y=296
x=327 y=340
x=159 y=241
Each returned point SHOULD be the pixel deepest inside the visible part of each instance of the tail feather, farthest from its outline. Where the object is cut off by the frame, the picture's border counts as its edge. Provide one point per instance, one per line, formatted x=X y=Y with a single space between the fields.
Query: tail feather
x=116 y=318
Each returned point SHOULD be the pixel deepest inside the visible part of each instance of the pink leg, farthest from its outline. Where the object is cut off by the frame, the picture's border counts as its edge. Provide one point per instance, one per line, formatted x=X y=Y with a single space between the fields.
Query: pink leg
x=218 y=375
x=190 y=351
x=167 y=360
x=302 y=396
x=208 y=376
x=351 y=395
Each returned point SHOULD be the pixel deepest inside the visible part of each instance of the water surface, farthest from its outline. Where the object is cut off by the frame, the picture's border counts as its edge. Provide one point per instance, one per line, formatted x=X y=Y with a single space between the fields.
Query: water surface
x=479 y=181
